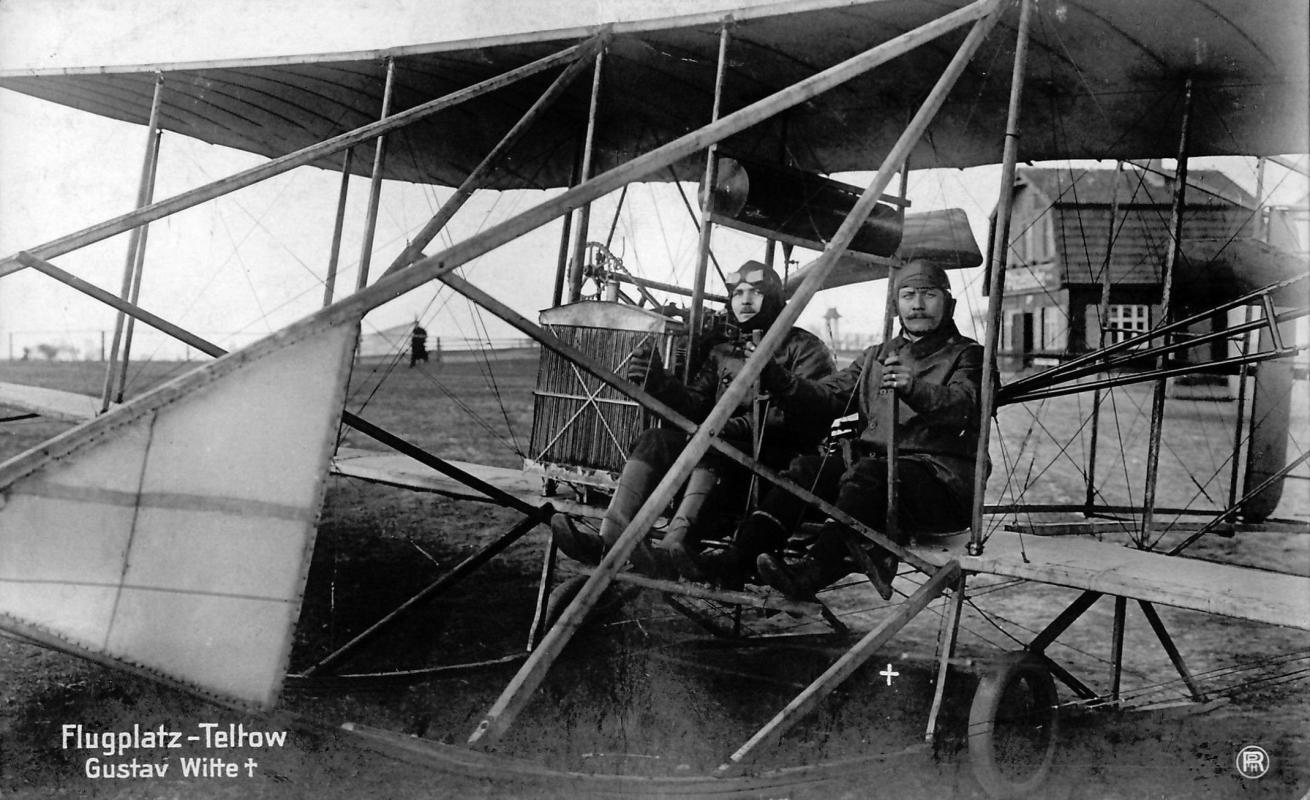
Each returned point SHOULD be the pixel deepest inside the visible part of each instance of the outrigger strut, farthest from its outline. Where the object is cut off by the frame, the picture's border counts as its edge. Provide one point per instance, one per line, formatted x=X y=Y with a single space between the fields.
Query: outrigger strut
x=1047 y=382
x=414 y=250
x=843 y=668
x=136 y=255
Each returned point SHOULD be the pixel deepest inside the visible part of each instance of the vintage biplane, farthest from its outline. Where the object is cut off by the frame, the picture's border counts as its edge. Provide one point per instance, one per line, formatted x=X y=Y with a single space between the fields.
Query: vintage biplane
x=134 y=540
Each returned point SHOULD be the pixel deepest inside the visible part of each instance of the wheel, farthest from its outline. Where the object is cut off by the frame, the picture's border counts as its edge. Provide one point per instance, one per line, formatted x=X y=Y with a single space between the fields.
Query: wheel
x=1013 y=725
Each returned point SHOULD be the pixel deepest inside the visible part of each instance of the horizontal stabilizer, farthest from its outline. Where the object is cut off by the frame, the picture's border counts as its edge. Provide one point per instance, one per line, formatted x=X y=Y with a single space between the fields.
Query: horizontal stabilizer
x=943 y=237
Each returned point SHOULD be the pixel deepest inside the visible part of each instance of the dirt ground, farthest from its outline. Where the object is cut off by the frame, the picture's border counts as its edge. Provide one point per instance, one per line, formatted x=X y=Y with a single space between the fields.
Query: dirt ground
x=642 y=690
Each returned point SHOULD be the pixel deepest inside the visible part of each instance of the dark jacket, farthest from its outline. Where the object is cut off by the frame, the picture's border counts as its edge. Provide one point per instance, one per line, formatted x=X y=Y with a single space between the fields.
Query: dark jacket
x=938 y=413
x=801 y=354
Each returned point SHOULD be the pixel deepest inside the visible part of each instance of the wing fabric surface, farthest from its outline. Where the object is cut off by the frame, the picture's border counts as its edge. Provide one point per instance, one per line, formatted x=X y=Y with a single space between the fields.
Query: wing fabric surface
x=132 y=540
x=1106 y=83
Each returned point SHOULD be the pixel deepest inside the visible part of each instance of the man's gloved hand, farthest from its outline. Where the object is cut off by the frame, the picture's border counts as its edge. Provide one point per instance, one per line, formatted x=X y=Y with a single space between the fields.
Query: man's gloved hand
x=736 y=429
x=776 y=381
x=644 y=366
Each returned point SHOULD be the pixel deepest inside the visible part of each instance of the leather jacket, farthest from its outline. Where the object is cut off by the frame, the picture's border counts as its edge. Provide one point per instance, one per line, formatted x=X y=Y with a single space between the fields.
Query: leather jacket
x=937 y=414
x=801 y=354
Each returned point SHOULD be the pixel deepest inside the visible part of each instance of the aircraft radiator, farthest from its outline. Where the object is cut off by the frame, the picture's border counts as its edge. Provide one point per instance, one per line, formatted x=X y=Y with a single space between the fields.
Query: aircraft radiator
x=582 y=430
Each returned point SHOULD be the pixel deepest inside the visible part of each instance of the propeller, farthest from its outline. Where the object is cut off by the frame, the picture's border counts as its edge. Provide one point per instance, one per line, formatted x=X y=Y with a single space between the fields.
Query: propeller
x=731 y=186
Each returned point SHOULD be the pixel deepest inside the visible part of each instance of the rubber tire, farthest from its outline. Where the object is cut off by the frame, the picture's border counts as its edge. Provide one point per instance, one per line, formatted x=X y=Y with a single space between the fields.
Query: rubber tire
x=990 y=751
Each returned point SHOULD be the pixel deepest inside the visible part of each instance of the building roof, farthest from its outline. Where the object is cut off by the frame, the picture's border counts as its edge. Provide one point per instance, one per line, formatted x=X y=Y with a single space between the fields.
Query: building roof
x=1135 y=186
x=1140 y=244
x=1079 y=203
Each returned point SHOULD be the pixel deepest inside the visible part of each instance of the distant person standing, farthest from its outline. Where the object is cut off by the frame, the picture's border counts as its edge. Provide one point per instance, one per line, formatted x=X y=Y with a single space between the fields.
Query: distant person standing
x=418 y=345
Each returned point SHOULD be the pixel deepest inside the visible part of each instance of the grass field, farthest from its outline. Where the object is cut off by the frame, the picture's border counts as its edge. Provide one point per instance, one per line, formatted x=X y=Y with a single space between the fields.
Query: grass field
x=482 y=411
x=633 y=694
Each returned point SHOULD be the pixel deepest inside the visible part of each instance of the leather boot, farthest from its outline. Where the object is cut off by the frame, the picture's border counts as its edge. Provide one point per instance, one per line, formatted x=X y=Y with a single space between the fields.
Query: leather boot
x=802 y=580
x=678 y=541
x=636 y=482
x=579 y=545
x=724 y=568
x=652 y=562
x=588 y=548
x=759 y=533
x=884 y=572
x=878 y=564
x=682 y=558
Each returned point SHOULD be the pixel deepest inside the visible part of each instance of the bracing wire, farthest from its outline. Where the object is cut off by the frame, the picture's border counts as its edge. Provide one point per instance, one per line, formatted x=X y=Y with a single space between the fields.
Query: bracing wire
x=1072 y=188
x=484 y=365
x=202 y=292
x=1243 y=442
x=682 y=193
x=393 y=362
x=1062 y=451
x=1173 y=452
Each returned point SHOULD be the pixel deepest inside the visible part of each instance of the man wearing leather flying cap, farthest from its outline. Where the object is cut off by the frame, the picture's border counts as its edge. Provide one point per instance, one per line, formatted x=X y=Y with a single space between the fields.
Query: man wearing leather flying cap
x=755 y=300
x=934 y=374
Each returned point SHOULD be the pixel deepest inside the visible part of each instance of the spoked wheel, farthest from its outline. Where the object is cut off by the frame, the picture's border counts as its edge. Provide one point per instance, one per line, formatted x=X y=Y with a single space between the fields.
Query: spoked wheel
x=1013 y=725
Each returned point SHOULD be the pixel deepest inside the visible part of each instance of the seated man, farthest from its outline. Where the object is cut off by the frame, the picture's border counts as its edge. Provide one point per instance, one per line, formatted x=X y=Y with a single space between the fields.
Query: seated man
x=755 y=302
x=935 y=374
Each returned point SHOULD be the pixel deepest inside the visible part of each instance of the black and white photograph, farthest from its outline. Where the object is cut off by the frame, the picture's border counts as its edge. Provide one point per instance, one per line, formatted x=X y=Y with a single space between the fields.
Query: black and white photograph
x=761 y=399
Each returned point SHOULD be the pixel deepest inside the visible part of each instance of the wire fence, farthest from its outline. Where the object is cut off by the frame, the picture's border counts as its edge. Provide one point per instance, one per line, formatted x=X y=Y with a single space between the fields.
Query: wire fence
x=95 y=344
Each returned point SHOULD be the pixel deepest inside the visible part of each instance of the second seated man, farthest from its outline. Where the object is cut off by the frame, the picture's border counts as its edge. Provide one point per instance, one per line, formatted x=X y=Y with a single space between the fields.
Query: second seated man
x=934 y=373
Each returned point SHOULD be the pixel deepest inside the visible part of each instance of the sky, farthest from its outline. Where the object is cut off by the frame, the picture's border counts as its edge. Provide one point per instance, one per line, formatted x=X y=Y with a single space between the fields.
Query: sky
x=240 y=267
x=244 y=265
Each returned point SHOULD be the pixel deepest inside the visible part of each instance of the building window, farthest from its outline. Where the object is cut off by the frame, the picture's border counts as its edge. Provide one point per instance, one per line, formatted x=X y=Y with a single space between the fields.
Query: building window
x=1127 y=321
x=1054 y=329
x=1035 y=238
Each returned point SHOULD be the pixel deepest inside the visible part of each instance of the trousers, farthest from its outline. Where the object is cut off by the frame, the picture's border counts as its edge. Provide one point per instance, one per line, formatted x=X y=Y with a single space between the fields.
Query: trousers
x=924 y=504
x=651 y=457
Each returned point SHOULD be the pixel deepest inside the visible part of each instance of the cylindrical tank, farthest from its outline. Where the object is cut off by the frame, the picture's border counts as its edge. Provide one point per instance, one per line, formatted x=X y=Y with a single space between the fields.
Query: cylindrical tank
x=797 y=206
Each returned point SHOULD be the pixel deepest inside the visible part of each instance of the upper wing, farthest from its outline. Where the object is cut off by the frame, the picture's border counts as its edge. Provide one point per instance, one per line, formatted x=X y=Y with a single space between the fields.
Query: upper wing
x=1105 y=82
